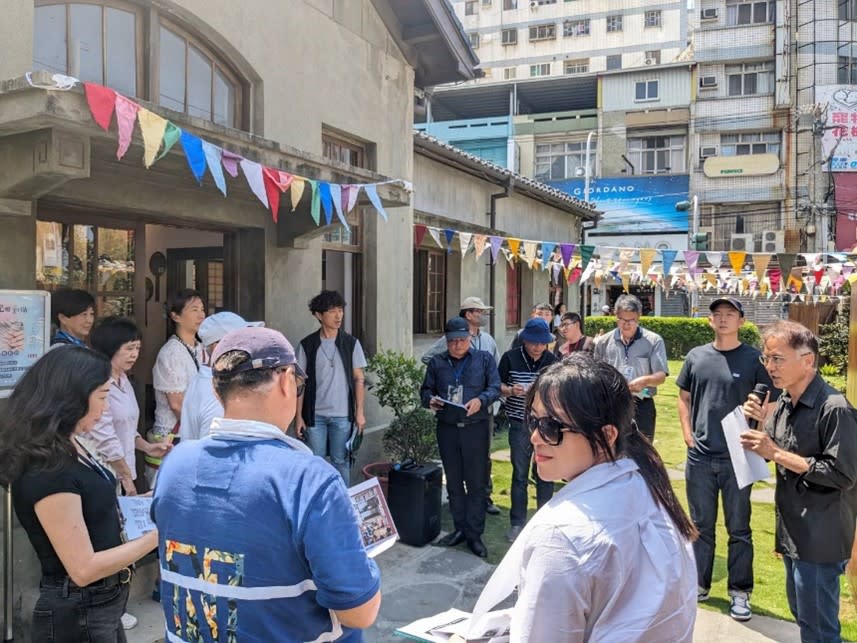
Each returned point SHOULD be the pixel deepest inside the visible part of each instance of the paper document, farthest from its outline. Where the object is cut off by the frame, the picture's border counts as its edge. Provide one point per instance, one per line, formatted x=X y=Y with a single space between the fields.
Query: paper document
x=452 y=625
x=449 y=402
x=749 y=466
x=377 y=529
x=136 y=512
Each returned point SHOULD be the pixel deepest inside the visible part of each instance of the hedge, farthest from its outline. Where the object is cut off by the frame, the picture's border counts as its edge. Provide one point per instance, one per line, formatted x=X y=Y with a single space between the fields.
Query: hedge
x=680 y=333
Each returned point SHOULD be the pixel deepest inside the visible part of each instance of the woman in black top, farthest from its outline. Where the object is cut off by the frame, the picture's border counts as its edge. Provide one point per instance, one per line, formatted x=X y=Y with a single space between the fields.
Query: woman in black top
x=66 y=501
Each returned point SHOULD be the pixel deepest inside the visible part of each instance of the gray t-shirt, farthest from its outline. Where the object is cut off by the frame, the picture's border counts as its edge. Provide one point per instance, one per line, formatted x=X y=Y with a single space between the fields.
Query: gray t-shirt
x=646 y=354
x=331 y=386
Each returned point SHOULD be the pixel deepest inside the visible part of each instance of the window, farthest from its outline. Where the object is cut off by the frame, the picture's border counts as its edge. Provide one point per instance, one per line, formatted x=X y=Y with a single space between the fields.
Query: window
x=474 y=39
x=556 y=161
x=486 y=3
x=750 y=143
x=543 y=32
x=614 y=62
x=97 y=259
x=742 y=12
x=429 y=291
x=846 y=72
x=575 y=28
x=614 y=23
x=546 y=1
x=653 y=18
x=657 y=154
x=510 y=73
x=543 y=69
x=513 y=296
x=646 y=90
x=510 y=36
x=510 y=4
x=579 y=66
x=103 y=41
x=470 y=8
x=750 y=79
x=90 y=42
x=847 y=9
x=653 y=57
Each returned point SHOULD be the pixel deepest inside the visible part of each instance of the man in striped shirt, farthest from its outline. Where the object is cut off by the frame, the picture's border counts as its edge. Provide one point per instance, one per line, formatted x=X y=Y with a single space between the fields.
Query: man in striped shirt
x=519 y=368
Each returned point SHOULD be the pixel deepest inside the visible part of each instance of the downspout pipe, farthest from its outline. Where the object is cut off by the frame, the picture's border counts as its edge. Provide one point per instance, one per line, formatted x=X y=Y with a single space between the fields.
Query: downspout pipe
x=492 y=270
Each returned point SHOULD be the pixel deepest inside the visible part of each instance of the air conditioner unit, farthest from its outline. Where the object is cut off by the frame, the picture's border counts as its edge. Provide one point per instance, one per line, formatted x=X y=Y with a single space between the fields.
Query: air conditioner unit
x=773 y=241
x=705 y=152
x=707 y=82
x=533 y=5
x=709 y=14
x=651 y=61
x=742 y=243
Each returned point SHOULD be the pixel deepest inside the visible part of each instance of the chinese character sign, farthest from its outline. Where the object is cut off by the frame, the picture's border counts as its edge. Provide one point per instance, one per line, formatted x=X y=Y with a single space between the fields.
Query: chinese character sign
x=24 y=333
x=839 y=143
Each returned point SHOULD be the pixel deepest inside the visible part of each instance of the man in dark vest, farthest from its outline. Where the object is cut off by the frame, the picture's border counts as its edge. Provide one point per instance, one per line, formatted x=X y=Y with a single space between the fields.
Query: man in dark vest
x=333 y=400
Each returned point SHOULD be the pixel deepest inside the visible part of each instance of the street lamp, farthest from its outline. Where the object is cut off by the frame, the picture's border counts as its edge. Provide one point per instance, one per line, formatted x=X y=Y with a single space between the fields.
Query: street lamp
x=693 y=242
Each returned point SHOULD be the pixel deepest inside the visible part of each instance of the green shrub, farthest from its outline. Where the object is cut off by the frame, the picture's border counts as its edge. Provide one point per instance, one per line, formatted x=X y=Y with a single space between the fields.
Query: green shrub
x=833 y=342
x=680 y=334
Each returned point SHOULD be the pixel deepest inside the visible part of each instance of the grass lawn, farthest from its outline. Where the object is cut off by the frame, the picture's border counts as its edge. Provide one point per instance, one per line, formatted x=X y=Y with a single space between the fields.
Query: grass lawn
x=769 y=596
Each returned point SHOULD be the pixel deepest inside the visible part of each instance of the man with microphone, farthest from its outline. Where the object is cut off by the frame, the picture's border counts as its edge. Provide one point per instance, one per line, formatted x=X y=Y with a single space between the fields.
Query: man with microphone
x=812 y=438
x=716 y=378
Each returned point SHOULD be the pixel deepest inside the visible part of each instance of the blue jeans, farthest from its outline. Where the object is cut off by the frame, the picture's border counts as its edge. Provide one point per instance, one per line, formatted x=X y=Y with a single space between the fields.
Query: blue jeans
x=706 y=477
x=521 y=450
x=329 y=437
x=813 y=593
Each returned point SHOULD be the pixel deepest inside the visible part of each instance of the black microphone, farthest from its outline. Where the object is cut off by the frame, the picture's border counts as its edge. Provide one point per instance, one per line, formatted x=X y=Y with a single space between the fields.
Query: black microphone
x=760 y=391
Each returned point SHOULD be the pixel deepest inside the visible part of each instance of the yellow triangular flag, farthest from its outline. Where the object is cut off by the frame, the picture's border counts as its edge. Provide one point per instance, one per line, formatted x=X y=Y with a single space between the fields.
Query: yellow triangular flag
x=647 y=255
x=736 y=259
x=760 y=263
x=152 y=127
x=514 y=246
x=296 y=191
x=626 y=281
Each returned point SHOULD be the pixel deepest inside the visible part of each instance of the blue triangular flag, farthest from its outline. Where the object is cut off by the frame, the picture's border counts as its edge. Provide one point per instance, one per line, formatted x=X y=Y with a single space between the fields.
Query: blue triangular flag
x=372 y=192
x=449 y=233
x=194 y=153
x=326 y=201
x=547 y=252
x=336 y=196
x=213 y=155
x=669 y=256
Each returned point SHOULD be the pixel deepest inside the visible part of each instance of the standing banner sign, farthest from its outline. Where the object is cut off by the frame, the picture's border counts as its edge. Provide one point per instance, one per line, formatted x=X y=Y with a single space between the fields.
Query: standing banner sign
x=24 y=333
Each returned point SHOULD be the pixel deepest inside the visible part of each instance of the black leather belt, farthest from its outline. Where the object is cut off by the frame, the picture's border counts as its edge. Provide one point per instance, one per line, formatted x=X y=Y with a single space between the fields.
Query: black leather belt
x=122 y=577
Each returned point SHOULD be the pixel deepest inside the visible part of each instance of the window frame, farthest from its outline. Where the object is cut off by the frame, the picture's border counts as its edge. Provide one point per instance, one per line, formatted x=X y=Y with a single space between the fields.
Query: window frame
x=733 y=12
x=573 y=155
x=581 y=63
x=614 y=23
x=657 y=15
x=846 y=70
x=540 y=67
x=473 y=39
x=638 y=150
x=507 y=41
x=569 y=31
x=471 y=7
x=613 y=57
x=745 y=70
x=761 y=145
x=510 y=73
x=549 y=31
x=647 y=86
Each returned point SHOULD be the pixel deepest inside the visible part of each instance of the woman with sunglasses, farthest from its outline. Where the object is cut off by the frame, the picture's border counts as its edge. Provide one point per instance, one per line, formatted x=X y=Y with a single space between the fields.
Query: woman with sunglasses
x=66 y=500
x=609 y=557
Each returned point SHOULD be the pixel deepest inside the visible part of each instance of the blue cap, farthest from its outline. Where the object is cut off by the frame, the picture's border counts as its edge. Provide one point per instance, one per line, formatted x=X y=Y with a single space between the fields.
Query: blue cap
x=537 y=332
x=456 y=328
x=265 y=348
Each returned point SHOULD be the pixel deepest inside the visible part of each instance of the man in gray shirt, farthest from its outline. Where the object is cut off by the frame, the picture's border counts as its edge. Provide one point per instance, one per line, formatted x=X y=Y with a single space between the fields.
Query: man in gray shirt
x=332 y=402
x=640 y=355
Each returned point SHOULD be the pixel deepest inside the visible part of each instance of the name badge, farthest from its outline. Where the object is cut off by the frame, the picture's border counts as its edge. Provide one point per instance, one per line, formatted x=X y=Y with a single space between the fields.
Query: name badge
x=455 y=393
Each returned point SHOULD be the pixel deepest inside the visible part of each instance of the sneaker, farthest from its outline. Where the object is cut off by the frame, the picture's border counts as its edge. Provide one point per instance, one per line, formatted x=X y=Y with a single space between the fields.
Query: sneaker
x=129 y=621
x=492 y=509
x=513 y=532
x=701 y=595
x=740 y=606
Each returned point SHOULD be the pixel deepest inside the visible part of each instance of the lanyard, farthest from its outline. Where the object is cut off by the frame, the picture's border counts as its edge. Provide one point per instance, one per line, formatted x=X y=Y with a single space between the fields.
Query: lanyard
x=527 y=362
x=189 y=350
x=62 y=335
x=457 y=372
x=89 y=461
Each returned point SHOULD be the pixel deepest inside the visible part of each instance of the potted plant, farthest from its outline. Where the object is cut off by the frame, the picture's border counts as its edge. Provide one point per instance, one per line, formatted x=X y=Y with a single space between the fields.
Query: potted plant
x=411 y=434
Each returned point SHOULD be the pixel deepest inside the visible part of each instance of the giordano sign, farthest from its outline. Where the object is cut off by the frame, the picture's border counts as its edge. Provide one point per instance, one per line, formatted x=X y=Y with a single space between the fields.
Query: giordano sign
x=749 y=165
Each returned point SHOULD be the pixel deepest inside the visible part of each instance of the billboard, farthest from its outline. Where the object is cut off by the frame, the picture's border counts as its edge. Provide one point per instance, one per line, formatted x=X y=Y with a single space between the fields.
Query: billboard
x=634 y=204
x=839 y=141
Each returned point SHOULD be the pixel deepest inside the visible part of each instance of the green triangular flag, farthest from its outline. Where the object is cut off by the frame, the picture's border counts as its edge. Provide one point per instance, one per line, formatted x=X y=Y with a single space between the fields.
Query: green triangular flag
x=315 y=209
x=585 y=255
x=172 y=134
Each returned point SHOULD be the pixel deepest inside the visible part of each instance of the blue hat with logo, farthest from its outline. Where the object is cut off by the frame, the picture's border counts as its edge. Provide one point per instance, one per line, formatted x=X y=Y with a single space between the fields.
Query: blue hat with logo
x=537 y=332
x=456 y=328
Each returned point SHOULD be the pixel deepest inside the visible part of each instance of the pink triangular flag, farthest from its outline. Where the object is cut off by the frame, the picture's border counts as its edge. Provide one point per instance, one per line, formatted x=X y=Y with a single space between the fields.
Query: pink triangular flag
x=126 y=116
x=479 y=242
x=230 y=162
x=353 y=194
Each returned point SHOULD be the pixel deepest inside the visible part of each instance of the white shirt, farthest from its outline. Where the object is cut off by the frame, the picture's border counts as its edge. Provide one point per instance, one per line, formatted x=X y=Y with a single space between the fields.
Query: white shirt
x=200 y=406
x=114 y=434
x=174 y=369
x=600 y=562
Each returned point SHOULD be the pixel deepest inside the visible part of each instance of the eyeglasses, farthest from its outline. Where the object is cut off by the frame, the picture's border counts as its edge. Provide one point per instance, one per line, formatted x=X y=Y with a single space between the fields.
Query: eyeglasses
x=300 y=380
x=567 y=324
x=549 y=429
x=778 y=360
x=622 y=320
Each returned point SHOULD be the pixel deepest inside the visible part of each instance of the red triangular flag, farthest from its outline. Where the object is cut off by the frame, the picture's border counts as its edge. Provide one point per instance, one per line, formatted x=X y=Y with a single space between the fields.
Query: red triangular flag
x=272 y=189
x=102 y=102
x=419 y=233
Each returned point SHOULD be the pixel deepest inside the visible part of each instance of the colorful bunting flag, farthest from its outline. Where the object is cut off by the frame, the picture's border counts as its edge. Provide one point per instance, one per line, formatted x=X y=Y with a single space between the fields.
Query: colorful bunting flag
x=172 y=134
x=102 y=102
x=435 y=235
x=152 y=127
x=192 y=146
x=126 y=116
x=736 y=260
x=371 y=190
x=336 y=197
x=253 y=174
x=514 y=246
x=566 y=250
x=419 y=234
x=315 y=201
x=449 y=233
x=215 y=167
x=647 y=255
x=326 y=201
x=230 y=162
x=296 y=191
x=479 y=243
x=464 y=241
x=668 y=257
x=496 y=242
x=530 y=252
x=760 y=263
x=547 y=253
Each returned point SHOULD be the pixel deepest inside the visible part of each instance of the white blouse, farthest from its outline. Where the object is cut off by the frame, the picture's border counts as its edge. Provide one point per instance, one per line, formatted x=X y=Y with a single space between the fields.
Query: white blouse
x=114 y=434
x=174 y=369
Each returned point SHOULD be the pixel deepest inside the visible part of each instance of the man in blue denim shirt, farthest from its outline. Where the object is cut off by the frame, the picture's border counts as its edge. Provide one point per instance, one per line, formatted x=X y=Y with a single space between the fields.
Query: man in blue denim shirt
x=460 y=385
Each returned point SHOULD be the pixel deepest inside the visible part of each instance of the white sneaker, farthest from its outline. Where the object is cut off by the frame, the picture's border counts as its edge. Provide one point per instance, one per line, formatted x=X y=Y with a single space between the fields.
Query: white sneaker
x=128 y=621
x=740 y=606
x=701 y=595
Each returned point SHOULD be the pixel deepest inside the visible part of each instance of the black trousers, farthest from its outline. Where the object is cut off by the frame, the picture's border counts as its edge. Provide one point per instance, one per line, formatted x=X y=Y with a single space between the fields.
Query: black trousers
x=464 y=453
x=645 y=415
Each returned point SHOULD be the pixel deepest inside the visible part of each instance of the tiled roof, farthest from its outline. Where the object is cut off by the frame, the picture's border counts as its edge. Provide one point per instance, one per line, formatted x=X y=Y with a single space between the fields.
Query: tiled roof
x=520 y=183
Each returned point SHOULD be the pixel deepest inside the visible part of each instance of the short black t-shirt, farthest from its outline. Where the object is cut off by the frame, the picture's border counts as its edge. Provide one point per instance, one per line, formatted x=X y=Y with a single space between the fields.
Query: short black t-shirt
x=718 y=381
x=98 y=499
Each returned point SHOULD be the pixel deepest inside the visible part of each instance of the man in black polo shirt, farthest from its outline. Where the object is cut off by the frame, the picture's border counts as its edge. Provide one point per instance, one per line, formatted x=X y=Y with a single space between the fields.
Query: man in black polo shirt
x=519 y=368
x=460 y=385
x=812 y=438
x=714 y=379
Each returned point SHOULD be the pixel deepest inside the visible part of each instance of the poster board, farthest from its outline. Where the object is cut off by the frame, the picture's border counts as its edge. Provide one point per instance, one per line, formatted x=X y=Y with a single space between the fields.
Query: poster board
x=24 y=333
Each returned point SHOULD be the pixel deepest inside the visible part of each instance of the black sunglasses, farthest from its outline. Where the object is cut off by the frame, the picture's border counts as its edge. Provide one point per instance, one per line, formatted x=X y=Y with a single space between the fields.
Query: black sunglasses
x=549 y=429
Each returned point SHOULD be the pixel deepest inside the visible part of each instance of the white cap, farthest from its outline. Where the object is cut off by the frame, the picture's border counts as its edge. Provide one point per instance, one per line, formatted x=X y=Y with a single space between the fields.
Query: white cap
x=217 y=326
